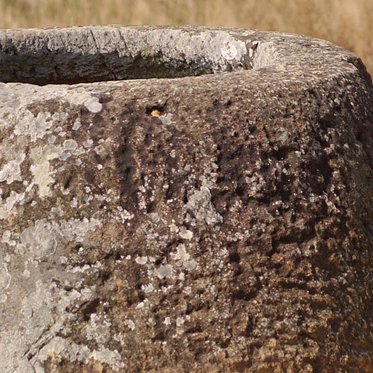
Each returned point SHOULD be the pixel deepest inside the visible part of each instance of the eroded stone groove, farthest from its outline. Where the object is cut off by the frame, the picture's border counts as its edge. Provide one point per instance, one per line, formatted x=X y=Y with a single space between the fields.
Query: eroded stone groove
x=89 y=54
x=220 y=222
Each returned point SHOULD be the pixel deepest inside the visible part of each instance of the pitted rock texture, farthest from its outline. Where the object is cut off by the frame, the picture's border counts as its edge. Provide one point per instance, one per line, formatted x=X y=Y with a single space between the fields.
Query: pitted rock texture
x=217 y=223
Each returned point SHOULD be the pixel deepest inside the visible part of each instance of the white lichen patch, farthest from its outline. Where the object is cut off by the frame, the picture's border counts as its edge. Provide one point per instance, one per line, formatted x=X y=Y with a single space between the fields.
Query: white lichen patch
x=185 y=233
x=77 y=124
x=7 y=239
x=119 y=337
x=38 y=241
x=187 y=290
x=233 y=51
x=86 y=99
x=218 y=49
x=166 y=119
x=79 y=353
x=104 y=147
x=208 y=179
x=164 y=271
x=8 y=206
x=76 y=229
x=70 y=145
x=183 y=259
x=36 y=322
x=9 y=102
x=167 y=321
x=41 y=239
x=179 y=321
x=98 y=329
x=130 y=324
x=36 y=127
x=86 y=267
x=154 y=217
x=70 y=148
x=179 y=325
x=5 y=279
x=200 y=205
x=180 y=254
x=154 y=239
x=57 y=211
x=190 y=265
x=11 y=171
x=88 y=143
x=141 y=260
x=147 y=288
x=41 y=168
x=39 y=304
x=93 y=105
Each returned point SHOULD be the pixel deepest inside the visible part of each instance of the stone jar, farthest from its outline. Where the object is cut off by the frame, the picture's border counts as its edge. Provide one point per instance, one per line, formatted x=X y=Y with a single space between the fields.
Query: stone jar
x=184 y=200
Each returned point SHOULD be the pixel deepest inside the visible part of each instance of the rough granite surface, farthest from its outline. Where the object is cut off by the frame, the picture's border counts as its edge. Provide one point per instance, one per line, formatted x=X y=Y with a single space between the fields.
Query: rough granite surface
x=221 y=222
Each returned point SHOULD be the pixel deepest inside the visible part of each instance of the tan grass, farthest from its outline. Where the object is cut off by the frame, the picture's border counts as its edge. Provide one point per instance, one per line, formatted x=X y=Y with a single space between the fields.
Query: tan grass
x=346 y=22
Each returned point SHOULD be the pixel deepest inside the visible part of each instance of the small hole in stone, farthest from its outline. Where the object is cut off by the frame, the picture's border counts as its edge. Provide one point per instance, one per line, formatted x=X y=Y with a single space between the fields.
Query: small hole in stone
x=67 y=182
x=155 y=110
x=234 y=257
x=89 y=308
x=228 y=103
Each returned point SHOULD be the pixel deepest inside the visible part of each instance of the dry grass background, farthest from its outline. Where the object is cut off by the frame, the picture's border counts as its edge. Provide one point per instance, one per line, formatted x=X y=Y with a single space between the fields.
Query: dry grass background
x=345 y=22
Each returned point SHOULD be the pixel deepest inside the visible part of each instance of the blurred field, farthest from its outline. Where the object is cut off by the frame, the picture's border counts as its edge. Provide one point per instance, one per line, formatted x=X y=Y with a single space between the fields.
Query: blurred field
x=345 y=22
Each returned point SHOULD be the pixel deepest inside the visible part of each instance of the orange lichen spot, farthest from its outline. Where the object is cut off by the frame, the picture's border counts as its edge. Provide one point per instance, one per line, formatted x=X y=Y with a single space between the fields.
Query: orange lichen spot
x=155 y=113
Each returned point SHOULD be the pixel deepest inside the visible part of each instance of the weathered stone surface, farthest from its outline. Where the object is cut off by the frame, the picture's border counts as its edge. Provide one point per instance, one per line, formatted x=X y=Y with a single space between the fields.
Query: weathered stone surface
x=216 y=223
